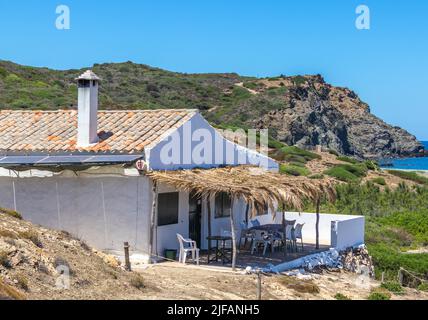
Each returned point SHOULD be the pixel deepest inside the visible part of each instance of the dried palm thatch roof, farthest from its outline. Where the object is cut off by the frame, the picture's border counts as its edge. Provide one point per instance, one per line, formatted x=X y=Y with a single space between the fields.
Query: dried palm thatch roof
x=256 y=186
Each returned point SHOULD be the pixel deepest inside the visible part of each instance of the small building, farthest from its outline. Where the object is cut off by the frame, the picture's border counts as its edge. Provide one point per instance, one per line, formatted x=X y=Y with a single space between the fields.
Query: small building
x=85 y=172
x=140 y=176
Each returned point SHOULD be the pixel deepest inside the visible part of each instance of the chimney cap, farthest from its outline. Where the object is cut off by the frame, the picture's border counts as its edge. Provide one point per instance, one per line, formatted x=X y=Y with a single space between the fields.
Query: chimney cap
x=88 y=75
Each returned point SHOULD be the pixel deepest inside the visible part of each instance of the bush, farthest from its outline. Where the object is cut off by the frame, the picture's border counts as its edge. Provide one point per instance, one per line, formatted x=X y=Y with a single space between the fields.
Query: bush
x=372 y=165
x=347 y=159
x=340 y=296
x=293 y=170
x=22 y=282
x=393 y=287
x=341 y=174
x=301 y=286
x=137 y=281
x=333 y=152
x=4 y=259
x=423 y=286
x=317 y=176
x=347 y=172
x=32 y=236
x=409 y=175
x=11 y=213
x=379 y=294
x=379 y=180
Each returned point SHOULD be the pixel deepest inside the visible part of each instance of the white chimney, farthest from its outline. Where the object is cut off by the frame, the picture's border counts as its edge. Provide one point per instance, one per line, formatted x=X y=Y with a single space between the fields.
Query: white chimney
x=87 y=133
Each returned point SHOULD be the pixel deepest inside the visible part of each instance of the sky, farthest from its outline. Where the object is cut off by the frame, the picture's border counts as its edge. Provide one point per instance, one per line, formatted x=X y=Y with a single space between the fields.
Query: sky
x=386 y=65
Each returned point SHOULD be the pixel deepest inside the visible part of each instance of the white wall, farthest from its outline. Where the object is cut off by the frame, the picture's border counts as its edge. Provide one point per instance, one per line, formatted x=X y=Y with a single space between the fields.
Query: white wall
x=76 y=205
x=349 y=229
x=219 y=156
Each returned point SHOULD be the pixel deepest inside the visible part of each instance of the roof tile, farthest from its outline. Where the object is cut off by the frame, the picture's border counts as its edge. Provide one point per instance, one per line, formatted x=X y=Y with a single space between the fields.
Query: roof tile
x=56 y=131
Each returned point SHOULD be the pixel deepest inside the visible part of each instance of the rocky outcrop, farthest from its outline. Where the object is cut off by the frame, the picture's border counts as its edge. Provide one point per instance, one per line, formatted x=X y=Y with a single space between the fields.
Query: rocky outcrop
x=316 y=113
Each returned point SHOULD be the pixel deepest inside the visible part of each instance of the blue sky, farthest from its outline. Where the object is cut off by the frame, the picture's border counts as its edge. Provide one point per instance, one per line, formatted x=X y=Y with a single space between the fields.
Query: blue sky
x=386 y=65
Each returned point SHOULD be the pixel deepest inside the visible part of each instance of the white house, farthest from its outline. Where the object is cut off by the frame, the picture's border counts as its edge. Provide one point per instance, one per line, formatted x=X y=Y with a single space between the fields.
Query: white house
x=84 y=171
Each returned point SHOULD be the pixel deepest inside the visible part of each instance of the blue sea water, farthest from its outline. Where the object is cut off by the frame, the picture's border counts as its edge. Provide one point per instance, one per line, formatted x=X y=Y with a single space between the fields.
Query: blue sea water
x=411 y=163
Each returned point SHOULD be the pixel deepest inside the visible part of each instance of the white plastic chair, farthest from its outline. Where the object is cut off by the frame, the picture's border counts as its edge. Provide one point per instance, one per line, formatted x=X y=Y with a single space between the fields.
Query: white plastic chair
x=289 y=234
x=186 y=246
x=260 y=238
x=297 y=234
x=245 y=234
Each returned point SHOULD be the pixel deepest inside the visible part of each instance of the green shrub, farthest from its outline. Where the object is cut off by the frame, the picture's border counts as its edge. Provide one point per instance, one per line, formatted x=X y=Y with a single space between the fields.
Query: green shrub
x=11 y=213
x=293 y=170
x=293 y=150
x=317 y=176
x=392 y=286
x=379 y=180
x=379 y=294
x=299 y=80
x=347 y=159
x=340 y=296
x=423 y=286
x=341 y=174
x=409 y=175
x=372 y=165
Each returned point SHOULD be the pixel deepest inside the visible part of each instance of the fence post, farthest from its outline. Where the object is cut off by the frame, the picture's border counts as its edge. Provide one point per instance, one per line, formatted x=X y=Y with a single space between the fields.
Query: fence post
x=127 y=261
x=259 y=286
x=400 y=277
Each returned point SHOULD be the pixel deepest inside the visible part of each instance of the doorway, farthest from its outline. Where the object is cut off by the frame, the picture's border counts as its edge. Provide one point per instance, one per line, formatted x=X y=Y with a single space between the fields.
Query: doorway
x=195 y=218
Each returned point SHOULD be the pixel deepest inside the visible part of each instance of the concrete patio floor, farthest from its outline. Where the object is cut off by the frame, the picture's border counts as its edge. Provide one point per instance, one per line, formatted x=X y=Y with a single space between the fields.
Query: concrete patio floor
x=245 y=258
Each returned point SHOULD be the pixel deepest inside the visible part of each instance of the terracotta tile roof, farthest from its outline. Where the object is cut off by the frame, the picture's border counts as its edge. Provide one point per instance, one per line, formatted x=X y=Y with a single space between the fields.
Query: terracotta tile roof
x=56 y=131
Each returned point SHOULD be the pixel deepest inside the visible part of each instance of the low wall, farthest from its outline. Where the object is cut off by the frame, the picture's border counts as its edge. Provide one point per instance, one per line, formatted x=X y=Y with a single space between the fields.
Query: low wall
x=337 y=230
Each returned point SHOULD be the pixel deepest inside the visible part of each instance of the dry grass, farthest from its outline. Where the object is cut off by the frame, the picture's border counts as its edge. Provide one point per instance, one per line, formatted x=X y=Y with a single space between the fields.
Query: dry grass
x=300 y=286
x=7 y=234
x=11 y=213
x=8 y=292
x=4 y=259
x=32 y=236
x=137 y=281
x=22 y=281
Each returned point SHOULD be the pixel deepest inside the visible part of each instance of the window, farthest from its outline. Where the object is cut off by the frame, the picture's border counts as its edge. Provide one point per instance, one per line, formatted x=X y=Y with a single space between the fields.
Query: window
x=222 y=205
x=167 y=208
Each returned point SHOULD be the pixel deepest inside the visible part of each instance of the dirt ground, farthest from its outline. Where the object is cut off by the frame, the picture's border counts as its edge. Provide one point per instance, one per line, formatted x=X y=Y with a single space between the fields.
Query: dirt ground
x=174 y=281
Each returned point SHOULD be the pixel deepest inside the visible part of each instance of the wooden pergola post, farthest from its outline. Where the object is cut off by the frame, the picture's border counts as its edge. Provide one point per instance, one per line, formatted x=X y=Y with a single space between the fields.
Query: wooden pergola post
x=232 y=229
x=152 y=219
x=208 y=201
x=317 y=224
x=284 y=227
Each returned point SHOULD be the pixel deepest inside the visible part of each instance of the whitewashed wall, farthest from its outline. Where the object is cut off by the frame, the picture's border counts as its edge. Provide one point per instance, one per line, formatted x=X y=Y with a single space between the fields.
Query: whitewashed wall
x=219 y=157
x=76 y=205
x=347 y=230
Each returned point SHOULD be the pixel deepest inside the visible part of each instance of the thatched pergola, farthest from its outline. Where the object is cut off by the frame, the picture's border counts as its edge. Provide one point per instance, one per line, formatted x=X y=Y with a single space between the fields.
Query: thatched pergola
x=257 y=187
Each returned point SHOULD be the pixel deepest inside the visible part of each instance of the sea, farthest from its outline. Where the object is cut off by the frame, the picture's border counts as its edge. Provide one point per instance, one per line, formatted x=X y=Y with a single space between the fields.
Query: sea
x=409 y=163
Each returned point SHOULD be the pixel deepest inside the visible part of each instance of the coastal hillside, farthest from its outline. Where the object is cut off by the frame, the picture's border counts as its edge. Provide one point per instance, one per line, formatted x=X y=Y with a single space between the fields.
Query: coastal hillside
x=302 y=110
x=32 y=259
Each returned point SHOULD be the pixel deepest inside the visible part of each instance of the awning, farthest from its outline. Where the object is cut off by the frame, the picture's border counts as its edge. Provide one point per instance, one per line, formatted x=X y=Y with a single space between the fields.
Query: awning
x=258 y=187
x=7 y=161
